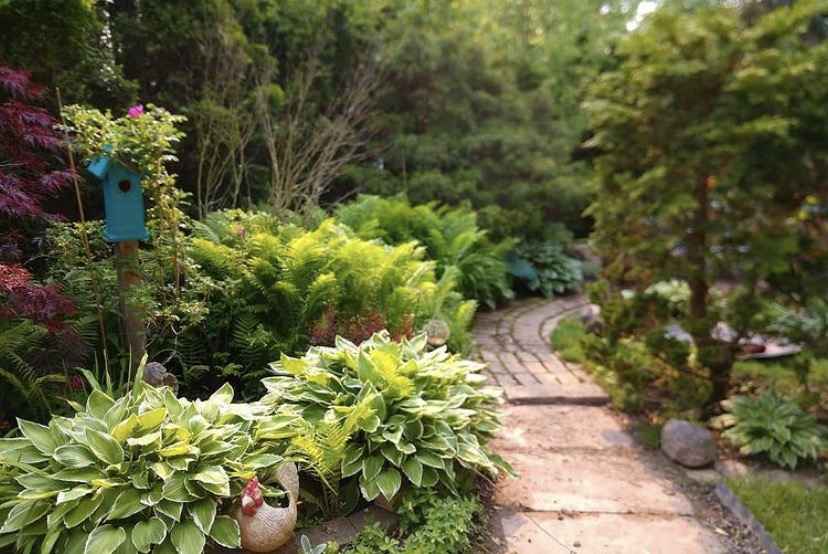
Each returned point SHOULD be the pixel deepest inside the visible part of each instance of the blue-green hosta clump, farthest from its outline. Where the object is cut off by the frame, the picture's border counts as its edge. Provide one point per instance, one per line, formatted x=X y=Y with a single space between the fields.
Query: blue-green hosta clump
x=769 y=424
x=388 y=413
x=147 y=471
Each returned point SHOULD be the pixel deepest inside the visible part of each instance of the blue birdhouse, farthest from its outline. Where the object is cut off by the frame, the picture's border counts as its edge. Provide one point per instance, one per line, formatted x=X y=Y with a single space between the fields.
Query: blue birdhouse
x=123 y=200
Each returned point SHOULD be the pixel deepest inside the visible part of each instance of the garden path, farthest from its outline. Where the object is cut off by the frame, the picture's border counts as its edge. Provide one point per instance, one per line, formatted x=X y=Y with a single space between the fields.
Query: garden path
x=585 y=486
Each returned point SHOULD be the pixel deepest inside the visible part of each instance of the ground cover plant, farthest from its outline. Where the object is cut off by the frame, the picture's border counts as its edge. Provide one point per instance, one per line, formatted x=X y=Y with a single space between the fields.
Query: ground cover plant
x=794 y=513
x=545 y=268
x=768 y=424
x=146 y=471
x=386 y=416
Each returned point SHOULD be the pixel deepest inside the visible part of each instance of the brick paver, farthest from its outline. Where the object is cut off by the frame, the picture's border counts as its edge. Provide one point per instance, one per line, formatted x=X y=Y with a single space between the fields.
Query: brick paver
x=514 y=342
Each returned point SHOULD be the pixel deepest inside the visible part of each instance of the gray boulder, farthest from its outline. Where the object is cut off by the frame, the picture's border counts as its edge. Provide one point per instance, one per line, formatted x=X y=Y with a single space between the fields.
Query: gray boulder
x=688 y=444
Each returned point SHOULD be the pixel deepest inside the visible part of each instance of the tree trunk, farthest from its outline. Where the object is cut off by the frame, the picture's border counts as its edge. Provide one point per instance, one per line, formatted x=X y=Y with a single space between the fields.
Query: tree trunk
x=717 y=356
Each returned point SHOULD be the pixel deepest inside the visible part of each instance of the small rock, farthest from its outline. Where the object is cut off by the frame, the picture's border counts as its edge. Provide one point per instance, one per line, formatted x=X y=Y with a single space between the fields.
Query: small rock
x=704 y=476
x=591 y=318
x=731 y=468
x=157 y=375
x=687 y=443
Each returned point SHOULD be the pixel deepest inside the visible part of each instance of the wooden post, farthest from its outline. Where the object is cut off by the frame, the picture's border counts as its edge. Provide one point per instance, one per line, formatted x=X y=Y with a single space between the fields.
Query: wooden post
x=129 y=276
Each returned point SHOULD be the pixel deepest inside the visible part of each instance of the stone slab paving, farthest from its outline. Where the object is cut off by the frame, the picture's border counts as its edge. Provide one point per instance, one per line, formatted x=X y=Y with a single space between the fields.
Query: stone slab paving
x=585 y=485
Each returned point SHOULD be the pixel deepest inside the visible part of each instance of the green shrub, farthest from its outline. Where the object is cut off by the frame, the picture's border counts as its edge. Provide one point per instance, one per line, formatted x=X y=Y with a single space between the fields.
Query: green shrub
x=544 y=267
x=124 y=475
x=429 y=523
x=389 y=414
x=773 y=426
x=451 y=237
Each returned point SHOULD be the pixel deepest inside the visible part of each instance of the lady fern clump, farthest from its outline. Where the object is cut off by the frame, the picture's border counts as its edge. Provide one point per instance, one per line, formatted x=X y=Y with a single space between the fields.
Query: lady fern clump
x=280 y=288
x=451 y=237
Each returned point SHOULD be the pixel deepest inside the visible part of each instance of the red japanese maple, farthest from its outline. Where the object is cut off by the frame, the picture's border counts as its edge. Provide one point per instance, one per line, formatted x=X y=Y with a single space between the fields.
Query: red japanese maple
x=31 y=169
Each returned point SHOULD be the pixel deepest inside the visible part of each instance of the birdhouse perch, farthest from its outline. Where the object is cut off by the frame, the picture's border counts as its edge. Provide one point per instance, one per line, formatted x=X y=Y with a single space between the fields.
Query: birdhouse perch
x=123 y=200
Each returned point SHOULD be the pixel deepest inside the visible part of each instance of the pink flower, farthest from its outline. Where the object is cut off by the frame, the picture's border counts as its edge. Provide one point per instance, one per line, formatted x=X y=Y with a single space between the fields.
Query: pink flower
x=136 y=110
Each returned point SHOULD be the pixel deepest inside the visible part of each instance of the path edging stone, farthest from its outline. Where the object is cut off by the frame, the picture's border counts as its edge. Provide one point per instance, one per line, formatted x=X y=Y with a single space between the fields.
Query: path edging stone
x=730 y=501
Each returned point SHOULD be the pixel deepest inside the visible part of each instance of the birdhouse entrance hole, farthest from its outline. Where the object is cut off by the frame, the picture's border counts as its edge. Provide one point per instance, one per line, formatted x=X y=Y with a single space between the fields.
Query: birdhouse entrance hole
x=124 y=185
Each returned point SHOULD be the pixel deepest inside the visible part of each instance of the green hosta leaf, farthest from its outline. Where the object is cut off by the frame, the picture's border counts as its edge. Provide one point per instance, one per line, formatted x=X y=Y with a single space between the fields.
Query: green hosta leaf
x=74 y=456
x=204 y=514
x=224 y=395
x=371 y=466
x=105 y=447
x=57 y=514
x=175 y=489
x=140 y=480
x=430 y=459
x=294 y=366
x=152 y=419
x=370 y=424
x=80 y=475
x=352 y=460
x=50 y=540
x=127 y=504
x=225 y=531
x=170 y=509
x=104 y=540
x=389 y=482
x=83 y=511
x=44 y=439
x=211 y=475
x=116 y=413
x=98 y=403
x=165 y=547
x=413 y=429
x=413 y=469
x=471 y=454
x=187 y=538
x=218 y=490
x=392 y=454
x=393 y=435
x=24 y=513
x=35 y=482
x=125 y=429
x=74 y=494
x=430 y=477
x=147 y=533
x=75 y=543
x=179 y=464
x=370 y=489
x=178 y=449
x=162 y=470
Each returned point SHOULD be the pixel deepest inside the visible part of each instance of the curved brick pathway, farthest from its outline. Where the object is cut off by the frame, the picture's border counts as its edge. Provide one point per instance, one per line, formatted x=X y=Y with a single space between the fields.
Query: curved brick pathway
x=585 y=485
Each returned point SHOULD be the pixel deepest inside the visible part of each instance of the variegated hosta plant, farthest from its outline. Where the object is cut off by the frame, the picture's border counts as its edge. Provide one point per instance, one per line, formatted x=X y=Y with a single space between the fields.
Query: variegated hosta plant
x=389 y=412
x=146 y=472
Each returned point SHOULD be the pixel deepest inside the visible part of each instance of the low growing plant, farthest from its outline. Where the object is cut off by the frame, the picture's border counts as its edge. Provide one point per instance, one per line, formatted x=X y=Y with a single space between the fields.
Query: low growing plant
x=544 y=267
x=422 y=418
x=429 y=523
x=771 y=425
x=147 y=471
